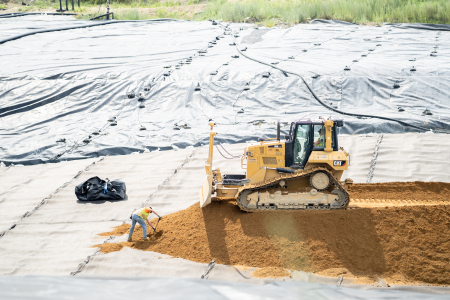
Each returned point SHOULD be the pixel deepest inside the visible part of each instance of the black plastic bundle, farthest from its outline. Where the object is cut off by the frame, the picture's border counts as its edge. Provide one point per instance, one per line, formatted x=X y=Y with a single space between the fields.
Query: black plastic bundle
x=98 y=189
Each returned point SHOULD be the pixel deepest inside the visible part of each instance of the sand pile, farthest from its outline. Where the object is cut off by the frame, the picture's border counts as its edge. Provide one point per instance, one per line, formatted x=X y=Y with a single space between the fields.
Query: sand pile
x=119 y=230
x=402 y=243
x=271 y=273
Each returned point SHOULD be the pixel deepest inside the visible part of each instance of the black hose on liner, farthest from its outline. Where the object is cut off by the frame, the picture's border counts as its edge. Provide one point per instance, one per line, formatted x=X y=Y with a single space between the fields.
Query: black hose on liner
x=13 y=15
x=76 y=27
x=325 y=105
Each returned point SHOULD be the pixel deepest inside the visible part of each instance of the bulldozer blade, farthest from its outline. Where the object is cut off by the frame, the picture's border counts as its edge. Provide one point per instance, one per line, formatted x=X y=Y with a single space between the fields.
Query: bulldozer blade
x=205 y=192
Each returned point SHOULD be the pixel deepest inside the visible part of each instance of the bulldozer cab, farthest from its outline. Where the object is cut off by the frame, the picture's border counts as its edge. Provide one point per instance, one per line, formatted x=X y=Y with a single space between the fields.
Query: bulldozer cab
x=307 y=136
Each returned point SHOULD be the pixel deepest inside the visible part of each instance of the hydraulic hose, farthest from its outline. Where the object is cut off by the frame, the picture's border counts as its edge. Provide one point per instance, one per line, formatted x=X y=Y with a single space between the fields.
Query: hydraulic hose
x=77 y=27
x=324 y=104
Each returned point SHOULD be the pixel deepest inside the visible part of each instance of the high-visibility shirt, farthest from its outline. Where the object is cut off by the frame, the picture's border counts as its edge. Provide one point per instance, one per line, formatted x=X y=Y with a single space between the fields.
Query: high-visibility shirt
x=321 y=143
x=141 y=213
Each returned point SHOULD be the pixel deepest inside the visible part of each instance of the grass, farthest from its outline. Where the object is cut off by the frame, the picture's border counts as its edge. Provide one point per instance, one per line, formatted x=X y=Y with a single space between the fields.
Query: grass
x=133 y=10
x=358 y=11
x=136 y=3
x=25 y=9
x=271 y=12
x=134 y=14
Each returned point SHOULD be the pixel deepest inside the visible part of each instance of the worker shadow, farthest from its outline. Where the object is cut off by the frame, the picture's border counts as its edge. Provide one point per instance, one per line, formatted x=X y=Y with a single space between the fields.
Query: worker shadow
x=103 y=201
x=155 y=235
x=151 y=234
x=151 y=241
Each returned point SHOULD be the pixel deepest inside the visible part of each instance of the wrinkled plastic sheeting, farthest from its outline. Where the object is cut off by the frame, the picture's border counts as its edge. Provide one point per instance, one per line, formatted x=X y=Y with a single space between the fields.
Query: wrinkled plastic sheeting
x=441 y=27
x=179 y=288
x=65 y=86
x=24 y=24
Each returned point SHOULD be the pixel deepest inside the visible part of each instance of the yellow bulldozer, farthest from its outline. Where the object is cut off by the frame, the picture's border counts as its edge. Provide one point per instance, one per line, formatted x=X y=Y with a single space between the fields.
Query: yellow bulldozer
x=303 y=171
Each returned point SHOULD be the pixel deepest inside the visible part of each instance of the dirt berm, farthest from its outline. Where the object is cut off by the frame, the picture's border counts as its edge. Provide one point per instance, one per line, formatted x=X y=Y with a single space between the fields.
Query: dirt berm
x=424 y=192
x=403 y=244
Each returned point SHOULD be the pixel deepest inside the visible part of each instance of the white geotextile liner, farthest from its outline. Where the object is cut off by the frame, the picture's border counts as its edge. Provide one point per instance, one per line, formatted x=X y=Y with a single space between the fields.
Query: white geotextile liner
x=182 y=288
x=361 y=151
x=53 y=222
x=23 y=188
x=411 y=157
x=142 y=175
x=49 y=248
x=146 y=263
x=59 y=236
x=72 y=82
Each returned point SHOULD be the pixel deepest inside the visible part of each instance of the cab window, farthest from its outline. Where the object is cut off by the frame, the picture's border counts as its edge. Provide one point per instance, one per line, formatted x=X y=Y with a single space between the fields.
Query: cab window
x=301 y=144
x=319 y=137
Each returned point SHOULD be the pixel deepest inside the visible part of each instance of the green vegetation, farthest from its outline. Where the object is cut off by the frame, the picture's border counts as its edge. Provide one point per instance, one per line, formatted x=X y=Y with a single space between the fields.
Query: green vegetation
x=134 y=14
x=358 y=11
x=140 y=3
x=136 y=3
x=2 y=6
x=25 y=9
x=269 y=12
x=133 y=10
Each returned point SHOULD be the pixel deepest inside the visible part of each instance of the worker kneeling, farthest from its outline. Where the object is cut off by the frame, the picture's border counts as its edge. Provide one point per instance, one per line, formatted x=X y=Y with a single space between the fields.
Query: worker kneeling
x=141 y=216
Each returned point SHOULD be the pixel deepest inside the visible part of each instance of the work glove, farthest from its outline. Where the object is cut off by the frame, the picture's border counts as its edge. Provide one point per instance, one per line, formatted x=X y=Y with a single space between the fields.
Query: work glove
x=160 y=218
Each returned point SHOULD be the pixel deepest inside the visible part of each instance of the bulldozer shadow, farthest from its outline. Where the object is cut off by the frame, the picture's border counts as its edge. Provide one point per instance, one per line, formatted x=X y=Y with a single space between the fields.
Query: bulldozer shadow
x=321 y=240
x=344 y=238
x=297 y=240
x=214 y=217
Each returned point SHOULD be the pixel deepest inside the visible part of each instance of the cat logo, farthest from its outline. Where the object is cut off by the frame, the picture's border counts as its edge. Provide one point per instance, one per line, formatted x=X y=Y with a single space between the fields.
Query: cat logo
x=339 y=163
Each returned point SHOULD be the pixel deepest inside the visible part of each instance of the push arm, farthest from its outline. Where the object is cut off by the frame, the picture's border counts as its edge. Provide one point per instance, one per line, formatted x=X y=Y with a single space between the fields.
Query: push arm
x=208 y=164
x=328 y=129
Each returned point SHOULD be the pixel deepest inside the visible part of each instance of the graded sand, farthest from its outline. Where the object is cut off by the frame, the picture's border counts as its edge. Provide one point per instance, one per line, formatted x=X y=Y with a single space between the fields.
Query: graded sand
x=409 y=244
x=271 y=273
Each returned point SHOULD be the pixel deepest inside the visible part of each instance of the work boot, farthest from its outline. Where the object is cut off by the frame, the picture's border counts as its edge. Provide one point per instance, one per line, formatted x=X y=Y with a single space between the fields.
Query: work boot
x=129 y=240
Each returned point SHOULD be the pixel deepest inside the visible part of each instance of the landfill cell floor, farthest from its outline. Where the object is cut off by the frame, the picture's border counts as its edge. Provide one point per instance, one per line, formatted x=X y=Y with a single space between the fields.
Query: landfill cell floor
x=404 y=245
x=56 y=104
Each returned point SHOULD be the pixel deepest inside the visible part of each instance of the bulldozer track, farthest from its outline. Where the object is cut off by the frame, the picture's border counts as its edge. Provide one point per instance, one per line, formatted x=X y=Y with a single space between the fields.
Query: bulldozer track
x=371 y=195
x=305 y=173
